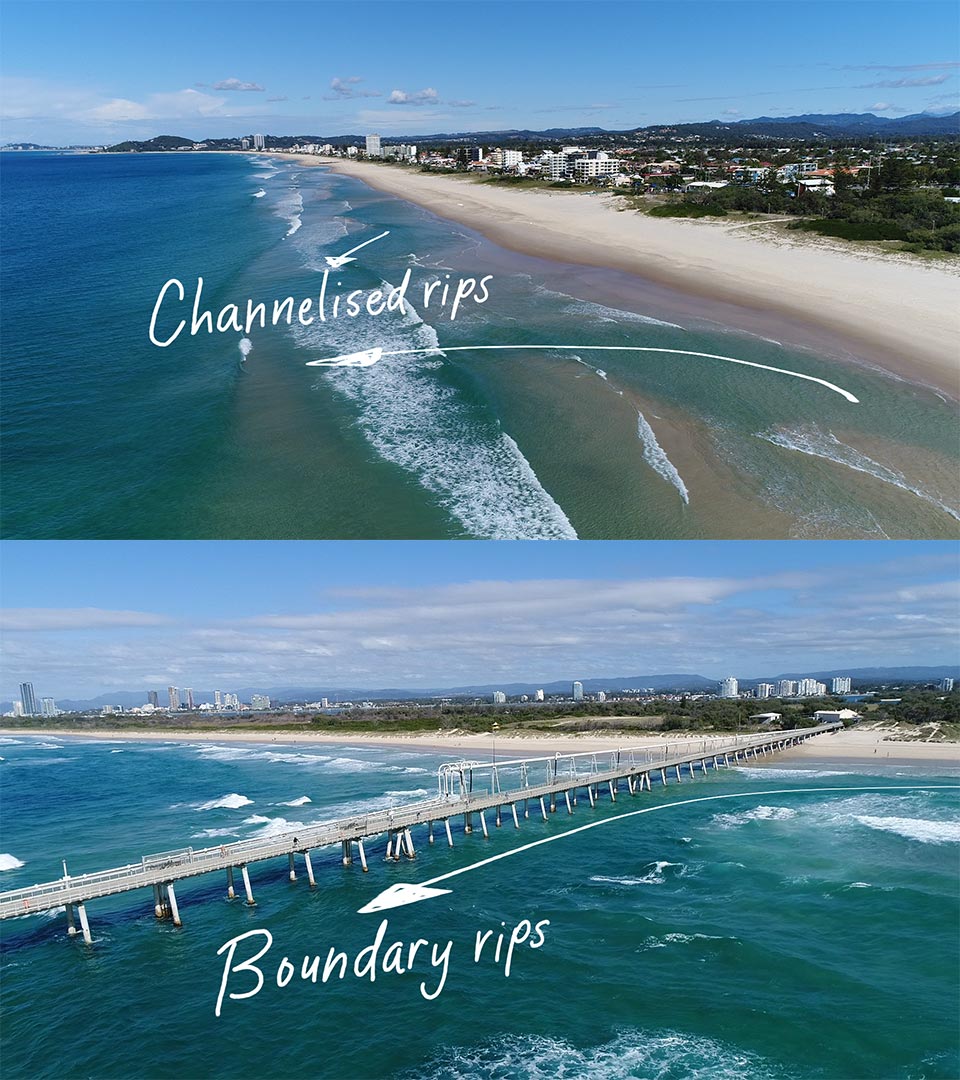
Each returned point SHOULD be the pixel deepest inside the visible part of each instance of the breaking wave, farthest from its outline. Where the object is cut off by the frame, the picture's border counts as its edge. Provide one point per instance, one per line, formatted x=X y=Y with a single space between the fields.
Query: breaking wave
x=922 y=829
x=824 y=444
x=655 y=456
x=226 y=802
x=10 y=862
x=420 y=423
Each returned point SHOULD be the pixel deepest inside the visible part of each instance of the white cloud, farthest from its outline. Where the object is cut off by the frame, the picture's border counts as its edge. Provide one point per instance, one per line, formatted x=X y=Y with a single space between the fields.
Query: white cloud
x=30 y=619
x=928 y=80
x=347 y=88
x=237 y=84
x=487 y=630
x=427 y=96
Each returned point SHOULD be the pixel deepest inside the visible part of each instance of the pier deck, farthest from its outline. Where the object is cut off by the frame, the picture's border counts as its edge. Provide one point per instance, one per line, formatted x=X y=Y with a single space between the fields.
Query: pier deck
x=538 y=781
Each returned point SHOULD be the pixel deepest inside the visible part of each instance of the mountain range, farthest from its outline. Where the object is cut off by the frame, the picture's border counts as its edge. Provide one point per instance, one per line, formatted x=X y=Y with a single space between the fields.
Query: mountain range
x=657 y=683
x=804 y=127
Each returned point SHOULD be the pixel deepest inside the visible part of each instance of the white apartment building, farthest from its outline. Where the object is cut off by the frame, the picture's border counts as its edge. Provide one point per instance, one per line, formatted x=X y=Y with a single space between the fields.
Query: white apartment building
x=499 y=697
x=259 y=142
x=373 y=146
x=729 y=688
x=577 y=691
x=766 y=689
x=538 y=696
x=840 y=685
x=786 y=688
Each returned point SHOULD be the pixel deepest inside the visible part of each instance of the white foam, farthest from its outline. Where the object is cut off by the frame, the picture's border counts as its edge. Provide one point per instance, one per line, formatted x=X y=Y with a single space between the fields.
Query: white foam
x=116 y=751
x=255 y=819
x=290 y=208
x=245 y=346
x=10 y=862
x=259 y=194
x=758 y=813
x=921 y=829
x=787 y=774
x=824 y=444
x=213 y=834
x=419 y=422
x=653 y=877
x=603 y=313
x=276 y=826
x=226 y=802
x=302 y=801
x=654 y=1054
x=655 y=456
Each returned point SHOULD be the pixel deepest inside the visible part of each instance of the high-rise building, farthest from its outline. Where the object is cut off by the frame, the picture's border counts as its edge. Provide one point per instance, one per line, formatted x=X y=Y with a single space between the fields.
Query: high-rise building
x=766 y=689
x=601 y=696
x=808 y=687
x=48 y=707
x=946 y=685
x=475 y=153
x=729 y=688
x=188 y=697
x=840 y=685
x=373 y=146
x=173 y=693
x=244 y=144
x=538 y=696
x=259 y=142
x=786 y=688
x=28 y=699
x=578 y=691
x=260 y=701
x=217 y=699
x=499 y=697
x=153 y=698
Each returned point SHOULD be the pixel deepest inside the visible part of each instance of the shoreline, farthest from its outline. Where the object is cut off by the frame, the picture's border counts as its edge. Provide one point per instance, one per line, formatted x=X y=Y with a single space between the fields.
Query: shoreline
x=851 y=746
x=858 y=300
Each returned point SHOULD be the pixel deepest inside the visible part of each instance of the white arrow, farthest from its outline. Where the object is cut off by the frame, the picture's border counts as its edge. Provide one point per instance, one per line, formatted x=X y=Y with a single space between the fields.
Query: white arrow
x=402 y=894
x=351 y=359
x=336 y=261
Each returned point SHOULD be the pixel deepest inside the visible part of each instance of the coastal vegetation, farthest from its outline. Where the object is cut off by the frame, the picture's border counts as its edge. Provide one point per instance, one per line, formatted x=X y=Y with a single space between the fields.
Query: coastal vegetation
x=895 y=205
x=929 y=713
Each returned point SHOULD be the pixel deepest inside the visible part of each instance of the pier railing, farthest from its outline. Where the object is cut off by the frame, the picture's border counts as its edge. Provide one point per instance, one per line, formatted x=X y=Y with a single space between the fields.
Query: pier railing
x=537 y=778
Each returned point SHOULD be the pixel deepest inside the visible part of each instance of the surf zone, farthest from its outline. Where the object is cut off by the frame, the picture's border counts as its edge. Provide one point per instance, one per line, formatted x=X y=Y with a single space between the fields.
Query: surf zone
x=444 y=295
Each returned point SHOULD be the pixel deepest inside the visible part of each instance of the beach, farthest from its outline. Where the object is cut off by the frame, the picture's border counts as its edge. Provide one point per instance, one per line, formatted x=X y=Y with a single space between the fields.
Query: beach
x=898 y=312
x=862 y=745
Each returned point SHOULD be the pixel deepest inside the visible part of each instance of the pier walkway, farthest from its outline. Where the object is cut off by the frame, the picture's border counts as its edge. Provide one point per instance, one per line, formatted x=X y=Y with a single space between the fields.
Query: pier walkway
x=467 y=791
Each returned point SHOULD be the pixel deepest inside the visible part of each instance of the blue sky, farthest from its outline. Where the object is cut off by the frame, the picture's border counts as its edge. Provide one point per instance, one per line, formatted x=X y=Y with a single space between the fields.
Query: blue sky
x=85 y=618
x=91 y=72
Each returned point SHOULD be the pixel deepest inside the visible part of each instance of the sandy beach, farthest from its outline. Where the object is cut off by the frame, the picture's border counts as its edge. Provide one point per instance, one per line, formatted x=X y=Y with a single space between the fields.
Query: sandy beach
x=864 y=745
x=898 y=313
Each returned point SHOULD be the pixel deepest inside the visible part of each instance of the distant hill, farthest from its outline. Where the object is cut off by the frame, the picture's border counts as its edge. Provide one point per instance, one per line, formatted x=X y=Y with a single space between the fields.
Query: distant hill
x=679 y=683
x=806 y=127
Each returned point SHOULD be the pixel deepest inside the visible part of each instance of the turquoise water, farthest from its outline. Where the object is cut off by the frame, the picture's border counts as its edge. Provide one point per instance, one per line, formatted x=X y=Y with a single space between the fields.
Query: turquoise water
x=807 y=935
x=107 y=435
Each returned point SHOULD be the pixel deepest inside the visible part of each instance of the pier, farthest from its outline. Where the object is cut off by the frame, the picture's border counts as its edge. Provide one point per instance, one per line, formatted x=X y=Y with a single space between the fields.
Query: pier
x=470 y=795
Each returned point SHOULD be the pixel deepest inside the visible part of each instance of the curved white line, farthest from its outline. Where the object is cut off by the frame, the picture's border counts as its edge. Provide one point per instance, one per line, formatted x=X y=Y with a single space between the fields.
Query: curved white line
x=608 y=348
x=667 y=806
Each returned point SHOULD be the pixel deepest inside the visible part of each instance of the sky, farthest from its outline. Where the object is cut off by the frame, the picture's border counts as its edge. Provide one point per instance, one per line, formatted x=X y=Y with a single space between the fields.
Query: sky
x=82 y=618
x=92 y=72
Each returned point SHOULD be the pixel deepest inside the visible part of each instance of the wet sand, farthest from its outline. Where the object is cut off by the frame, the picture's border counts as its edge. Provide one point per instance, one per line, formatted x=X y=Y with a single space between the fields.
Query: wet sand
x=897 y=313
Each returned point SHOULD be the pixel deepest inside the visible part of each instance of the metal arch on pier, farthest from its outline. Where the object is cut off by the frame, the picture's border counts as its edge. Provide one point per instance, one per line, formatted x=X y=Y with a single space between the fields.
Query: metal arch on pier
x=539 y=779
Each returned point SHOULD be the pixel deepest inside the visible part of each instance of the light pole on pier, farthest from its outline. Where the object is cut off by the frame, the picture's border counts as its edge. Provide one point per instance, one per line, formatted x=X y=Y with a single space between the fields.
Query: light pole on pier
x=493 y=779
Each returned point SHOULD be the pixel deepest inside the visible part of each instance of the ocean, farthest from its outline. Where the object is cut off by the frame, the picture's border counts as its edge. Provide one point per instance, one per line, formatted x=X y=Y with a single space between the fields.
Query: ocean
x=109 y=436
x=803 y=932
